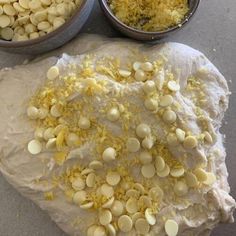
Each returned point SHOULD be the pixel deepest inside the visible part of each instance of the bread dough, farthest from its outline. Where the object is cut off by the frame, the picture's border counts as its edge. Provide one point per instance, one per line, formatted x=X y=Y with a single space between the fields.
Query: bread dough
x=202 y=209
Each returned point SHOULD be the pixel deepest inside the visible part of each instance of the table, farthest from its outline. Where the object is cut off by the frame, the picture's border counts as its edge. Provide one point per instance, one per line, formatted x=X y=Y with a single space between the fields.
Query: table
x=213 y=32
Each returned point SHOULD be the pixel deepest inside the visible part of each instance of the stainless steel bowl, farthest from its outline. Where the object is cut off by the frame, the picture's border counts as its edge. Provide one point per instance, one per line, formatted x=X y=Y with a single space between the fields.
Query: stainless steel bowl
x=54 y=39
x=144 y=35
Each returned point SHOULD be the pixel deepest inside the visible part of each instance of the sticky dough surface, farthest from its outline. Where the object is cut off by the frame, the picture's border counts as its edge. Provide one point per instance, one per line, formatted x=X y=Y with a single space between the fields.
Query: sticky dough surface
x=202 y=208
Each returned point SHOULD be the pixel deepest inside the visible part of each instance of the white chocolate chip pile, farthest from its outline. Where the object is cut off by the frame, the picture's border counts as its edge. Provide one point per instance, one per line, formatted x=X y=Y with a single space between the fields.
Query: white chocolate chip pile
x=29 y=19
x=124 y=141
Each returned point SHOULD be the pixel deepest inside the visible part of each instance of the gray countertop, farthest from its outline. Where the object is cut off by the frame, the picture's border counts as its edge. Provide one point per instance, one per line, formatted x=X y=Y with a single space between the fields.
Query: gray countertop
x=213 y=32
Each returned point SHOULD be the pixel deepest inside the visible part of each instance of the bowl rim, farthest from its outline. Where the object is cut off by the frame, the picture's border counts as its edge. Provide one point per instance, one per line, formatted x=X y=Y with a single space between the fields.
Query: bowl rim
x=186 y=19
x=30 y=42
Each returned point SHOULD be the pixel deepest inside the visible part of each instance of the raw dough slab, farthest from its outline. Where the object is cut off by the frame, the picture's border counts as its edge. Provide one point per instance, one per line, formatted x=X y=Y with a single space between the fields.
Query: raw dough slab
x=23 y=87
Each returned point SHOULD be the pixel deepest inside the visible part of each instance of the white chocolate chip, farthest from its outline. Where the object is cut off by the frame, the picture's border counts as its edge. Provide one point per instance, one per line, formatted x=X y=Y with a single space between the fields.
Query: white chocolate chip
x=159 y=79
x=136 y=216
x=151 y=104
x=91 y=230
x=133 y=144
x=9 y=9
x=23 y=20
x=151 y=219
x=42 y=113
x=142 y=226
x=173 y=86
x=125 y=185
x=180 y=188
x=145 y=157
x=107 y=190
x=59 y=128
x=78 y=184
x=169 y=117
x=44 y=25
x=113 y=178
x=124 y=73
x=172 y=140
x=190 y=142
x=34 y=35
x=90 y=180
x=200 y=174
x=148 y=142
x=18 y=37
x=177 y=172
x=147 y=66
x=132 y=193
x=148 y=171
x=136 y=65
x=61 y=9
x=46 y=2
x=111 y=230
x=24 y=3
x=87 y=206
x=159 y=164
x=100 y=231
x=72 y=139
x=121 y=108
x=144 y=201
x=208 y=137
x=4 y=21
x=165 y=172
x=125 y=223
x=57 y=22
x=191 y=179
x=51 y=143
x=149 y=87
x=140 y=75
x=86 y=171
x=30 y=28
x=139 y=187
x=34 y=147
x=53 y=73
x=48 y=133
x=95 y=165
x=156 y=193
x=143 y=130
x=109 y=154
x=211 y=179
x=166 y=101
x=32 y=112
x=52 y=11
x=109 y=203
x=41 y=16
x=113 y=114
x=131 y=205
x=84 y=123
x=171 y=228
x=105 y=217
x=117 y=208
x=1 y=10
x=79 y=197
x=34 y=4
x=55 y=111
x=18 y=8
x=7 y=33
x=180 y=134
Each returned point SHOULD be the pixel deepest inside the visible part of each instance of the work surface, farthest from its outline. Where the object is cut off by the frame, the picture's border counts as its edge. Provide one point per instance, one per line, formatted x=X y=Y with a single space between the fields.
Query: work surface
x=213 y=32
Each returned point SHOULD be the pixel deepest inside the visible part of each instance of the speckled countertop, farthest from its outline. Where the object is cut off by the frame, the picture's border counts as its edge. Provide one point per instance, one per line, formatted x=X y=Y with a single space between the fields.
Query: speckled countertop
x=213 y=32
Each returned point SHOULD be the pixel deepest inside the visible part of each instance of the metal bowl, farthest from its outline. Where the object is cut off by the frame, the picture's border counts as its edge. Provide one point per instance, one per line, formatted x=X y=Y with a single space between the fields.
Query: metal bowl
x=54 y=39
x=144 y=35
